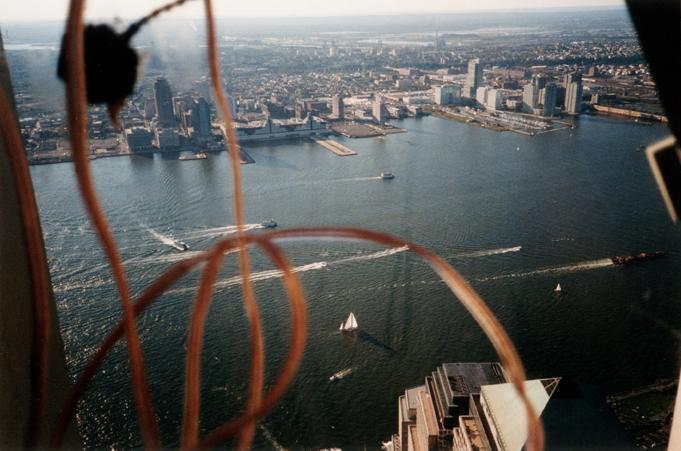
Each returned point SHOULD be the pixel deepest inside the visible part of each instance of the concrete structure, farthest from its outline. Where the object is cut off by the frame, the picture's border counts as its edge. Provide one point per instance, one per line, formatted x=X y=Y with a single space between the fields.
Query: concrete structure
x=139 y=139
x=573 y=93
x=493 y=99
x=473 y=78
x=201 y=117
x=467 y=407
x=530 y=98
x=273 y=130
x=163 y=100
x=166 y=139
x=447 y=94
x=337 y=107
x=550 y=94
x=378 y=110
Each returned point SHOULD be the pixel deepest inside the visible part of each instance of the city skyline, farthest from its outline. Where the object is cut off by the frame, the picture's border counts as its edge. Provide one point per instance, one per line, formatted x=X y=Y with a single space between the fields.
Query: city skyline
x=35 y=10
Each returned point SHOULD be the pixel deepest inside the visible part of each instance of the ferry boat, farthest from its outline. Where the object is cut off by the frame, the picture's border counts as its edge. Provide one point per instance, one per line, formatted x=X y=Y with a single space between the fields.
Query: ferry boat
x=269 y=224
x=195 y=156
x=387 y=175
x=180 y=245
x=341 y=374
x=625 y=259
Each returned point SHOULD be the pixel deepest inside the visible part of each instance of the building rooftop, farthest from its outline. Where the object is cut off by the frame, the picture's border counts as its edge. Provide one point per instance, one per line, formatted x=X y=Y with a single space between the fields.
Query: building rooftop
x=507 y=410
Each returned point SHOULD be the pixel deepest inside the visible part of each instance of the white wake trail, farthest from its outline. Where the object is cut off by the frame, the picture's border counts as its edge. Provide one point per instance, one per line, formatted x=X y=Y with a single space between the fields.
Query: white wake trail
x=159 y=236
x=219 y=231
x=594 y=264
x=488 y=252
x=373 y=256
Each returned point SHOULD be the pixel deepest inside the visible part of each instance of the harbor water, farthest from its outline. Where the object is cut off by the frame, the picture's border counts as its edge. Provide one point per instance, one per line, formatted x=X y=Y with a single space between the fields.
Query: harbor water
x=515 y=214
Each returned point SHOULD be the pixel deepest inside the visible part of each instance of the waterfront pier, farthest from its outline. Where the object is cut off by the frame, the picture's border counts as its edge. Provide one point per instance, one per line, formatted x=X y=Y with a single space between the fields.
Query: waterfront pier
x=335 y=147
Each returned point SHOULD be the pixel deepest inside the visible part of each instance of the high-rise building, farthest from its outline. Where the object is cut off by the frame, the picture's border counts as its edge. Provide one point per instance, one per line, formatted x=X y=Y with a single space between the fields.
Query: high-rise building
x=473 y=78
x=550 y=96
x=467 y=406
x=493 y=99
x=163 y=99
x=481 y=95
x=338 y=109
x=379 y=112
x=530 y=97
x=446 y=94
x=201 y=117
x=573 y=93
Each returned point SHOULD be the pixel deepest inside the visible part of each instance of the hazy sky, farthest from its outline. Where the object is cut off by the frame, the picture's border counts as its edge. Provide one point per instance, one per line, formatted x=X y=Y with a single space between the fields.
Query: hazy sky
x=26 y=10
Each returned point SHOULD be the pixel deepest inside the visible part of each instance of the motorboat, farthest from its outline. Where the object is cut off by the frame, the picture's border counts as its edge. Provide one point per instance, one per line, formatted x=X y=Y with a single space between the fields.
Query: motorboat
x=180 y=245
x=340 y=375
x=269 y=224
x=387 y=175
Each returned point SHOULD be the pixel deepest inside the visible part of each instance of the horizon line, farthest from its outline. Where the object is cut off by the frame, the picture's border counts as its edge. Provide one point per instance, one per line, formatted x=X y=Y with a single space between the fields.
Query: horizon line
x=548 y=9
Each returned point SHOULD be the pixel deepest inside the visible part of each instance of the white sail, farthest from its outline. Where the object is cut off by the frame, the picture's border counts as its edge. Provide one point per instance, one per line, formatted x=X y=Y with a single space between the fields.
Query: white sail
x=351 y=322
x=342 y=326
x=558 y=288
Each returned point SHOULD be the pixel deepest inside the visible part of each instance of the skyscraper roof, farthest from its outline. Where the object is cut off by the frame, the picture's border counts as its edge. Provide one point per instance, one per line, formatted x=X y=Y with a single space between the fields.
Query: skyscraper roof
x=507 y=412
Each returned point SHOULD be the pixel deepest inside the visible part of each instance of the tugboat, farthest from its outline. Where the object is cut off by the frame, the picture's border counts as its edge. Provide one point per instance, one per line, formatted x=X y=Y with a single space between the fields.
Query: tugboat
x=269 y=224
x=180 y=245
x=387 y=175
x=626 y=259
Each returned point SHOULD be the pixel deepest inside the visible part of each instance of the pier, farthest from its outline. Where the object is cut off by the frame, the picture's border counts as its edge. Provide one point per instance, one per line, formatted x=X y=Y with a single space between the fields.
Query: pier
x=335 y=147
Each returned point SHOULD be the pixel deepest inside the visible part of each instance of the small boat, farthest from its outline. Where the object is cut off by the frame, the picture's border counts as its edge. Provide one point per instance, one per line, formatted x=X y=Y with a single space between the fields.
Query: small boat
x=387 y=175
x=558 y=289
x=625 y=259
x=341 y=374
x=269 y=224
x=196 y=156
x=180 y=245
x=350 y=324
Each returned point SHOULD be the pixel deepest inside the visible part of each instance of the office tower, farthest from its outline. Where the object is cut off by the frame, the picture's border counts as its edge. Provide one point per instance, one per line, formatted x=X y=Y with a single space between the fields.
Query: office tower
x=550 y=96
x=473 y=78
x=493 y=99
x=530 y=97
x=149 y=109
x=201 y=117
x=163 y=99
x=573 y=93
x=447 y=94
x=338 y=109
x=467 y=406
x=379 y=112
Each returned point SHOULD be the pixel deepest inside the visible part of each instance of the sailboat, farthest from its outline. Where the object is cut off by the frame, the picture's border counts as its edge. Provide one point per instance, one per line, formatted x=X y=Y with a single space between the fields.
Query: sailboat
x=558 y=289
x=349 y=324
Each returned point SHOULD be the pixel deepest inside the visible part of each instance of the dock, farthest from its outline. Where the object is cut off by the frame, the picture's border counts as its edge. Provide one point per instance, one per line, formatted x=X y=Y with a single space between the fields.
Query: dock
x=335 y=147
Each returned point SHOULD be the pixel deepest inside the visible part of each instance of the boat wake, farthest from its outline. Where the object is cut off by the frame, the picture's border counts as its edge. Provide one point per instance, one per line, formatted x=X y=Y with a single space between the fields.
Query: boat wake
x=372 y=256
x=362 y=179
x=219 y=231
x=270 y=438
x=593 y=264
x=275 y=273
x=159 y=236
x=488 y=252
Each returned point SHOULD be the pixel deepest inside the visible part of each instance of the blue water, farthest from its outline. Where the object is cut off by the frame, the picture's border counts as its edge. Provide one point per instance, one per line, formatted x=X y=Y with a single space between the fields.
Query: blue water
x=515 y=214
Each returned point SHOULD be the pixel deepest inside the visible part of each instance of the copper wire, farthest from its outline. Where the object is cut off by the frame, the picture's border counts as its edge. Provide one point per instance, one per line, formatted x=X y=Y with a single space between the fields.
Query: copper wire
x=77 y=120
x=37 y=267
x=256 y=406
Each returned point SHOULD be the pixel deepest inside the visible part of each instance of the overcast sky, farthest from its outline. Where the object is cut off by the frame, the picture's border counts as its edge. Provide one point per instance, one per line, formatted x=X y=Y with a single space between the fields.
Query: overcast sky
x=27 y=10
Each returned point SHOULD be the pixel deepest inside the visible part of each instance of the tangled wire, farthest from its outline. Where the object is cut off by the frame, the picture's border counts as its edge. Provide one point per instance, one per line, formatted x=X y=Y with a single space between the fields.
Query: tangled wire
x=258 y=403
